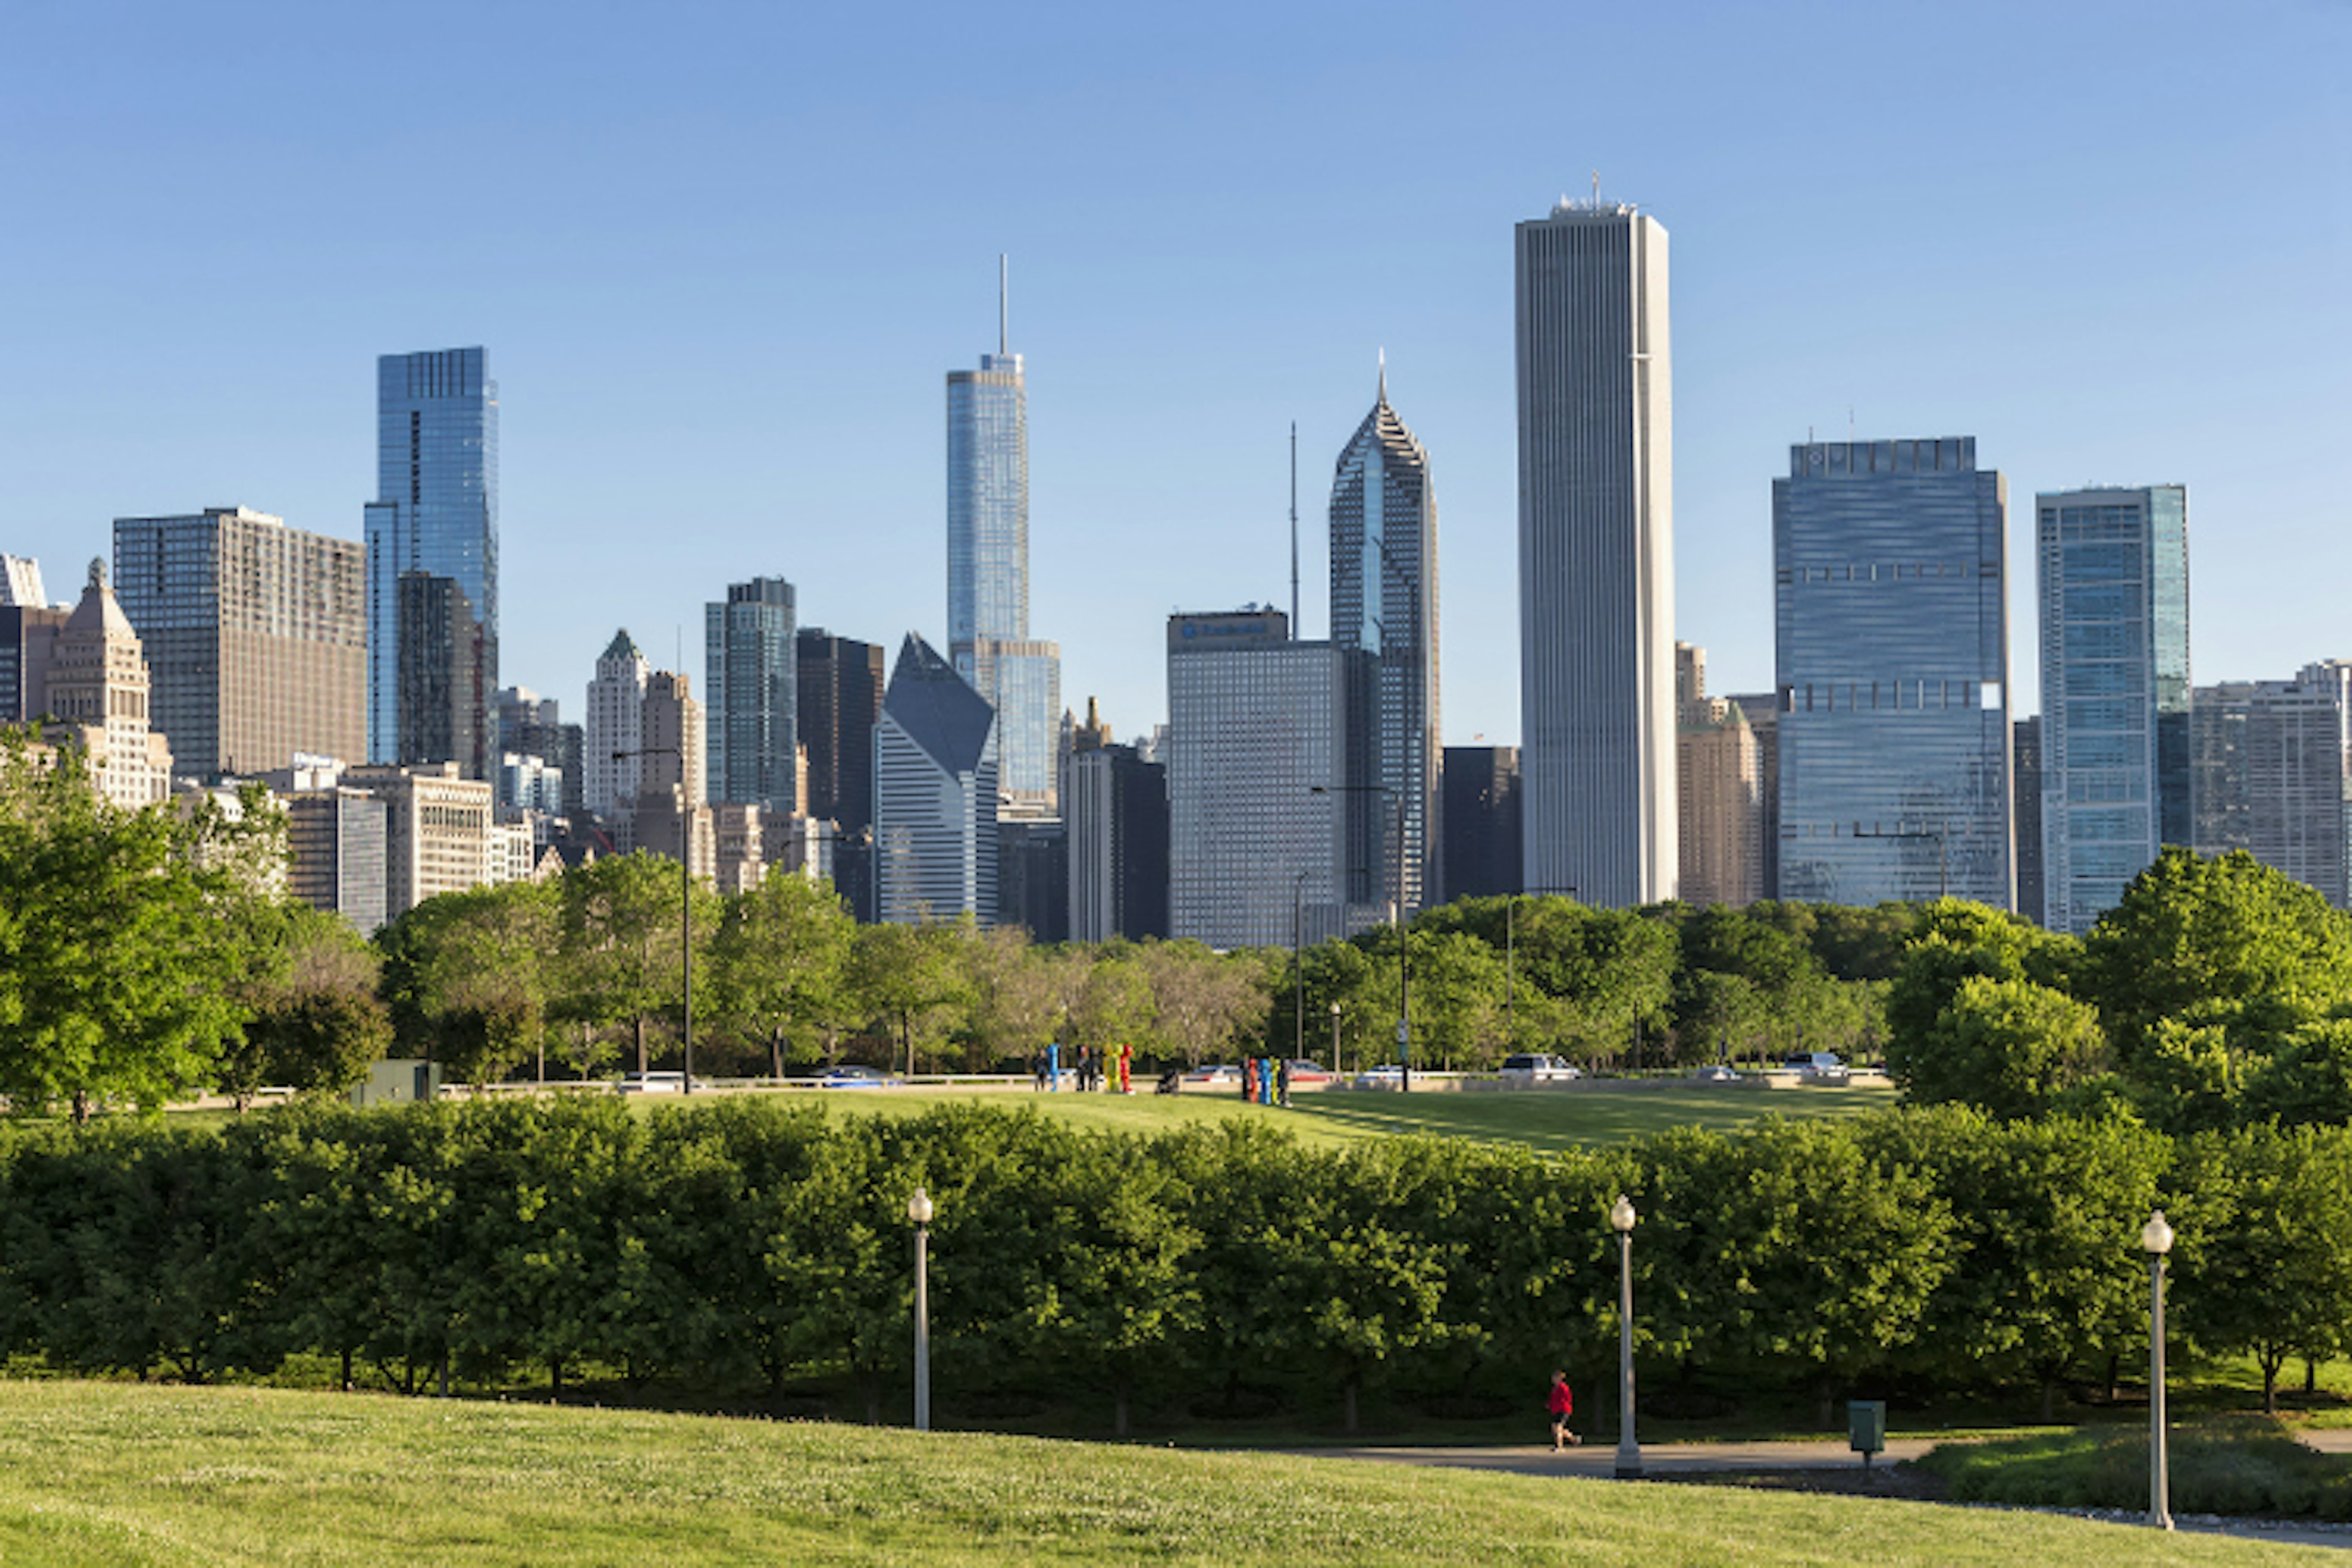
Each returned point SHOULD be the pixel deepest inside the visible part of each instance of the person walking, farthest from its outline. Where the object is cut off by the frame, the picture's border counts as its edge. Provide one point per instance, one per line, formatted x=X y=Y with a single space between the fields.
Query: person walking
x=1282 y=1083
x=1561 y=1405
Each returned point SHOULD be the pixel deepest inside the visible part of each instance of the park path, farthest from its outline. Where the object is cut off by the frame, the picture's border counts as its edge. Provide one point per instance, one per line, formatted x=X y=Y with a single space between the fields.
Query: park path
x=1598 y=1460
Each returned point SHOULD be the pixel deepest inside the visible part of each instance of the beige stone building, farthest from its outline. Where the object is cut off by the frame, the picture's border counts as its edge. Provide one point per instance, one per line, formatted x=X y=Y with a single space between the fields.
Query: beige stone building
x=97 y=691
x=1720 y=792
x=437 y=835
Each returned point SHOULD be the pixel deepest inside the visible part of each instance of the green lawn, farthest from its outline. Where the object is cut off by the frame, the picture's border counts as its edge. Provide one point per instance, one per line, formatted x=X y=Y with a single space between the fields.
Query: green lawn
x=114 y=1474
x=1545 y=1121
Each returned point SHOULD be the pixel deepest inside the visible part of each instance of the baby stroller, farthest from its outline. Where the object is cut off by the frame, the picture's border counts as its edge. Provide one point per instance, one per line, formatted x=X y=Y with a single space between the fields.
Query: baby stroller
x=1171 y=1082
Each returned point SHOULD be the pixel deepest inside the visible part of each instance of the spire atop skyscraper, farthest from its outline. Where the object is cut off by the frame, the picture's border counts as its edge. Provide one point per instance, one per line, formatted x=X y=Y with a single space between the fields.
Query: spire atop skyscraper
x=1003 y=304
x=1384 y=378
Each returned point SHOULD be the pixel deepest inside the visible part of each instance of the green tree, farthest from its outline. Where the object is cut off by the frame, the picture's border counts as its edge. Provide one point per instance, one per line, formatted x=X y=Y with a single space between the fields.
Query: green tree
x=2225 y=941
x=317 y=1025
x=120 y=946
x=779 y=965
x=1017 y=997
x=1204 y=1001
x=472 y=969
x=913 y=978
x=2307 y=1080
x=2009 y=1045
x=2263 y=1267
x=618 y=933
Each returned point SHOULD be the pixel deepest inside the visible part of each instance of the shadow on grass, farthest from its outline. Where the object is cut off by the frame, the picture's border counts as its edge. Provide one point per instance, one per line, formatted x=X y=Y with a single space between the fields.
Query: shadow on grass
x=2247 y=1465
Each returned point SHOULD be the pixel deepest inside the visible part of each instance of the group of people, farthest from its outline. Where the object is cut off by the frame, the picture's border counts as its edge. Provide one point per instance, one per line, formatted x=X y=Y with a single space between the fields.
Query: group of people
x=1093 y=1069
x=1266 y=1080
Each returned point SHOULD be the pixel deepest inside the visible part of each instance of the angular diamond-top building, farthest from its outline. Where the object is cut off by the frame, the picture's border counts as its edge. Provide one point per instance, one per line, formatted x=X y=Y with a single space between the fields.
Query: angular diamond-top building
x=432 y=562
x=1596 y=556
x=935 y=785
x=1383 y=521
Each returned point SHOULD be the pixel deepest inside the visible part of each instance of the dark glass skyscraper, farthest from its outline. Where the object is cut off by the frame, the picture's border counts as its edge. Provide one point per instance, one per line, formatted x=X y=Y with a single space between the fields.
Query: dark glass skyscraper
x=1384 y=605
x=751 y=684
x=1892 y=638
x=435 y=516
x=2115 y=693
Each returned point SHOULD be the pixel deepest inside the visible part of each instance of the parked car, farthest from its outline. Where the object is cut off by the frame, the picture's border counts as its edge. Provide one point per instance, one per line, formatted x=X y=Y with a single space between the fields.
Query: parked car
x=1387 y=1075
x=660 y=1083
x=1216 y=1074
x=850 y=1075
x=1716 y=1072
x=1536 y=1067
x=1823 y=1067
x=1304 y=1072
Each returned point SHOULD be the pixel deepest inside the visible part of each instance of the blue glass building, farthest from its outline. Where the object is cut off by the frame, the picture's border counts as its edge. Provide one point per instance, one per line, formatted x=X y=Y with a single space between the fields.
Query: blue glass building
x=433 y=526
x=751 y=684
x=2116 y=774
x=1892 y=638
x=1383 y=522
x=988 y=575
x=935 y=796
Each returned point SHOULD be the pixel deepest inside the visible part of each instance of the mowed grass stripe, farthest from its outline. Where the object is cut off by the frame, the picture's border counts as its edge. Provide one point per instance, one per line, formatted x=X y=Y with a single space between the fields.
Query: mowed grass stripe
x=118 y=1474
x=1544 y=1120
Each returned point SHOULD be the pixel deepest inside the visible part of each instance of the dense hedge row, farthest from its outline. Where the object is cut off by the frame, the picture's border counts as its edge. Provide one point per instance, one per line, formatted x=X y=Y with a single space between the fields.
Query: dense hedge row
x=745 y=1243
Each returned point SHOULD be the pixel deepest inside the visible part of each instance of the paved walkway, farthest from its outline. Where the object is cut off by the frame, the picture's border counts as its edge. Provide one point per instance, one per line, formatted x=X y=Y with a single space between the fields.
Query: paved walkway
x=1599 y=1457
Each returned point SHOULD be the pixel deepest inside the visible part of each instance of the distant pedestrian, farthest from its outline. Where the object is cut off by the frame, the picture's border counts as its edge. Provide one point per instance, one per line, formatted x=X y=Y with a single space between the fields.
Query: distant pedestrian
x=1562 y=1405
x=1282 y=1083
x=1037 y=1071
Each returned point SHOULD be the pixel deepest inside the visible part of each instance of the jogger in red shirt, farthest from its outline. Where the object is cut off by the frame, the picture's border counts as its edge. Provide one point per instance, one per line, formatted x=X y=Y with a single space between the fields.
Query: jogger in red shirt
x=1562 y=1405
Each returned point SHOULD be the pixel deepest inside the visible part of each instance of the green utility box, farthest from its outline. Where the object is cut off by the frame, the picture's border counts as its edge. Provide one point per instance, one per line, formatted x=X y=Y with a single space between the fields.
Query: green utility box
x=1866 y=1426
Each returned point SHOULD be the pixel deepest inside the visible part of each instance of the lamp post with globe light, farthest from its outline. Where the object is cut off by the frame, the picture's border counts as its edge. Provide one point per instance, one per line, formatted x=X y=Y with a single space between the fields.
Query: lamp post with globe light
x=2155 y=1241
x=919 y=1209
x=1628 y=1449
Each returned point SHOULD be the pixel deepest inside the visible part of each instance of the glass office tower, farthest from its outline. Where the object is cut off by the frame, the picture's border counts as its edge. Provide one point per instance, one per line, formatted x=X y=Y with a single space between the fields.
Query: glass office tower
x=988 y=575
x=2115 y=693
x=435 y=516
x=1891 y=638
x=751 y=683
x=1384 y=605
x=935 y=783
x=1597 y=777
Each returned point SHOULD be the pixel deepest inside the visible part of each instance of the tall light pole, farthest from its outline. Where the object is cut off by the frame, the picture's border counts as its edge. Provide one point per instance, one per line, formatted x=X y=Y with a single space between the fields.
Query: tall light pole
x=1396 y=920
x=1628 y=1450
x=2155 y=1241
x=685 y=910
x=1334 y=1036
x=1298 y=969
x=919 y=1209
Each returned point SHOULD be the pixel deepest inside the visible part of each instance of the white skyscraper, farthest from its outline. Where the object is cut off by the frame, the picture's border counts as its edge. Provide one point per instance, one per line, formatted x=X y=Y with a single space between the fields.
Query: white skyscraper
x=1596 y=557
x=616 y=702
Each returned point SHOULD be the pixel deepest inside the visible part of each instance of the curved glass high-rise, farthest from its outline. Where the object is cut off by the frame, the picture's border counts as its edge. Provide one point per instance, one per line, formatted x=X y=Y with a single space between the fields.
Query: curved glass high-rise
x=1384 y=603
x=432 y=544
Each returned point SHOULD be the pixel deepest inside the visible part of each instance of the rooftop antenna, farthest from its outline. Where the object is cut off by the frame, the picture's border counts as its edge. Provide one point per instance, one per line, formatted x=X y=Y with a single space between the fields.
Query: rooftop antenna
x=1596 y=188
x=1384 y=376
x=1004 y=306
x=1294 y=530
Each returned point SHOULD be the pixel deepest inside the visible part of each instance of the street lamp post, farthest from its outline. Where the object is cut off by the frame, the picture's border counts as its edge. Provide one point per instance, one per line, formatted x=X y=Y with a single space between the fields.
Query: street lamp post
x=1297 y=970
x=919 y=1209
x=1628 y=1449
x=1396 y=920
x=2155 y=1239
x=685 y=913
x=1334 y=1036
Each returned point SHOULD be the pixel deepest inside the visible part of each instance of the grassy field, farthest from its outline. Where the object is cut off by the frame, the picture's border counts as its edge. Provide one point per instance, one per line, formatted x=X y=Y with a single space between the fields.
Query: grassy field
x=2245 y=1465
x=1544 y=1121
x=101 y=1474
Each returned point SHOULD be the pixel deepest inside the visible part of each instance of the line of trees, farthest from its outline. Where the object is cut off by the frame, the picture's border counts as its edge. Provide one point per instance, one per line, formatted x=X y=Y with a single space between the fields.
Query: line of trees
x=735 y=1248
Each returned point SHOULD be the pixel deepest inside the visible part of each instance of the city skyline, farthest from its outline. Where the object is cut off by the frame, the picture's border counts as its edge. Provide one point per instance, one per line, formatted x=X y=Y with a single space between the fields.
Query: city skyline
x=1184 y=276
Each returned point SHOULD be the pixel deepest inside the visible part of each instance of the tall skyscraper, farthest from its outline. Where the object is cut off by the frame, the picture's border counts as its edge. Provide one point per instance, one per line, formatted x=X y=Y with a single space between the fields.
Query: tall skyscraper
x=751 y=683
x=1383 y=523
x=934 y=794
x=1891 y=639
x=614 y=730
x=27 y=634
x=1257 y=723
x=255 y=635
x=841 y=686
x=987 y=571
x=20 y=583
x=531 y=726
x=432 y=562
x=2026 y=787
x=2274 y=773
x=2115 y=693
x=1596 y=556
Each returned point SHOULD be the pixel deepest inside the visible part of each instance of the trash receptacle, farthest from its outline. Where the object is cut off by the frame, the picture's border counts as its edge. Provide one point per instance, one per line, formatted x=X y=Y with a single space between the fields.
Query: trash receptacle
x=1866 y=1425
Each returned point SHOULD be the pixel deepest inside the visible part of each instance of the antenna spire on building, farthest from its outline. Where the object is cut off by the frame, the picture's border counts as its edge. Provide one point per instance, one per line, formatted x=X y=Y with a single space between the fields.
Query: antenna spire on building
x=1294 y=530
x=1596 y=190
x=1003 y=305
x=1384 y=376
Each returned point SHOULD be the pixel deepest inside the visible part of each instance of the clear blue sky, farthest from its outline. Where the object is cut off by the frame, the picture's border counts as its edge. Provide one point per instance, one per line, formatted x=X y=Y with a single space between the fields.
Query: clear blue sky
x=721 y=256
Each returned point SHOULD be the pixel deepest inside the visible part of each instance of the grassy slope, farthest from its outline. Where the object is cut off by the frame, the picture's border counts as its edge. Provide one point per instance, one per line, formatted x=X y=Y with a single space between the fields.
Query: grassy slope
x=116 y=1474
x=1550 y=1121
